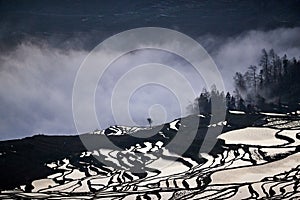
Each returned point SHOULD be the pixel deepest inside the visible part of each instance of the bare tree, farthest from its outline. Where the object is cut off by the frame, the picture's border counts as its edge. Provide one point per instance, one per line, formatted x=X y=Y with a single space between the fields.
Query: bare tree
x=149 y=121
x=265 y=64
x=252 y=70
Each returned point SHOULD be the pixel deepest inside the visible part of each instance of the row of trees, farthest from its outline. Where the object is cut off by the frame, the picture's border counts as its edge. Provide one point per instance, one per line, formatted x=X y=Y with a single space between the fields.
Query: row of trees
x=221 y=102
x=273 y=84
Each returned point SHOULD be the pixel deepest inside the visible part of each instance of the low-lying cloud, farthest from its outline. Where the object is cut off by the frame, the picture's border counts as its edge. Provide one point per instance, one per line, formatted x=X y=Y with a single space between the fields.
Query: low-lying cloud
x=37 y=81
x=36 y=86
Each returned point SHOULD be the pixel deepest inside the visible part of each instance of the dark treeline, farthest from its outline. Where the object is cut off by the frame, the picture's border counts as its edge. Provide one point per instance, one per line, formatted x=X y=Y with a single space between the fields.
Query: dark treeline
x=272 y=85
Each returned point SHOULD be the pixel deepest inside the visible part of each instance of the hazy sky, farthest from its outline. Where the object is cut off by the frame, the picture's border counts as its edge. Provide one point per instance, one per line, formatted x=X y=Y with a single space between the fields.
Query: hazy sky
x=42 y=45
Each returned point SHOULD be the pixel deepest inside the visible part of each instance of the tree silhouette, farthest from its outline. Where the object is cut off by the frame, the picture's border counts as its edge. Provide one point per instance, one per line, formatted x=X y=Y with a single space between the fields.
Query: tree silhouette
x=270 y=85
x=275 y=87
x=149 y=121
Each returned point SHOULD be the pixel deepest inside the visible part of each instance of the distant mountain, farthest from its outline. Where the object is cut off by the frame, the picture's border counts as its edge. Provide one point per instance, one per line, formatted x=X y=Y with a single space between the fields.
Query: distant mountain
x=58 y=21
x=253 y=156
